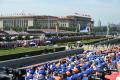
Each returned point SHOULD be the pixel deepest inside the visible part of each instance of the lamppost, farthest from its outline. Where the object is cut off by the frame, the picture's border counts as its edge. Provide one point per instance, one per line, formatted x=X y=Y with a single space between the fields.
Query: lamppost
x=76 y=22
x=108 y=30
x=48 y=22
x=57 y=25
x=89 y=28
x=79 y=27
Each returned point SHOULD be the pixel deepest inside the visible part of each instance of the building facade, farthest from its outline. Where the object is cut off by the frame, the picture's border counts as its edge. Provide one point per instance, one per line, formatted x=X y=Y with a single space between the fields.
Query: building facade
x=15 y=21
x=44 y=21
x=73 y=20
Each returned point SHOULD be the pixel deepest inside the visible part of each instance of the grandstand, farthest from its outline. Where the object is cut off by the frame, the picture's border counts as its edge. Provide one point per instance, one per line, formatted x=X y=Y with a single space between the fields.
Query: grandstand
x=91 y=65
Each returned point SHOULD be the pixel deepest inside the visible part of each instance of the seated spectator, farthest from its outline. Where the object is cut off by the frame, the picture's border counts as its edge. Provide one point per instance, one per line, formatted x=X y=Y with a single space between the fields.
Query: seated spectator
x=93 y=66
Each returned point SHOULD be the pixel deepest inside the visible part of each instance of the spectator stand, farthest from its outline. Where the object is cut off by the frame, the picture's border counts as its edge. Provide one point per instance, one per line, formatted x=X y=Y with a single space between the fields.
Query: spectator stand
x=92 y=65
x=8 y=39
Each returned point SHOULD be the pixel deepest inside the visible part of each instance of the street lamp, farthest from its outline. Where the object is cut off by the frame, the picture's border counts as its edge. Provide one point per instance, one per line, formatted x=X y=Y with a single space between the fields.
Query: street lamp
x=79 y=27
x=89 y=28
x=57 y=25
x=108 y=29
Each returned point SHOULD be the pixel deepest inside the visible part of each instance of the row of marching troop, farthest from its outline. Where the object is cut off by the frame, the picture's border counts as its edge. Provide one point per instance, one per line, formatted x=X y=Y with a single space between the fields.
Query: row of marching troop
x=92 y=64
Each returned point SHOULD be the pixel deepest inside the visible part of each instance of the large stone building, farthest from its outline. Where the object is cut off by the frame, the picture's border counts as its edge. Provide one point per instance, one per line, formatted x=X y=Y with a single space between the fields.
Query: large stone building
x=27 y=21
x=44 y=21
x=73 y=20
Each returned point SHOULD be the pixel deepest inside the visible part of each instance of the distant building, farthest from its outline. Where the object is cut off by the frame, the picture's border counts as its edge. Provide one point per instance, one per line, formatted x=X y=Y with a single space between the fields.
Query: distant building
x=44 y=21
x=114 y=25
x=64 y=22
x=27 y=21
x=74 y=20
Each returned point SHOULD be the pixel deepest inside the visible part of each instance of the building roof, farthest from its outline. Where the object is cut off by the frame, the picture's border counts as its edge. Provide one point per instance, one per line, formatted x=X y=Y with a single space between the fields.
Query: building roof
x=23 y=33
x=54 y=31
x=2 y=33
x=27 y=16
x=43 y=16
x=11 y=32
x=48 y=31
x=82 y=16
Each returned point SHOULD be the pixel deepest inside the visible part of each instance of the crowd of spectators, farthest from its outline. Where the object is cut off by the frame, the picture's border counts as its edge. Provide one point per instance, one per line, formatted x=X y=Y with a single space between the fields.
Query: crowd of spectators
x=21 y=43
x=91 y=65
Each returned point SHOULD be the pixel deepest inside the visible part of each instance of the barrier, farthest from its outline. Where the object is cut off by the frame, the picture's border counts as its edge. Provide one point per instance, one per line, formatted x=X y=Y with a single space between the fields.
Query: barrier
x=26 y=61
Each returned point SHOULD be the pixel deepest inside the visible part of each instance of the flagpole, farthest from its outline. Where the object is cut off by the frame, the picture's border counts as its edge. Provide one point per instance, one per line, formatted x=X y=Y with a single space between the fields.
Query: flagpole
x=79 y=27
x=108 y=29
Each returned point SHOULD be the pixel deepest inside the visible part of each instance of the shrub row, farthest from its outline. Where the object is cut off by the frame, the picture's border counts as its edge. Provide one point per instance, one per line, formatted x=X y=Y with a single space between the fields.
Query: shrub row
x=96 y=41
x=73 y=39
x=32 y=53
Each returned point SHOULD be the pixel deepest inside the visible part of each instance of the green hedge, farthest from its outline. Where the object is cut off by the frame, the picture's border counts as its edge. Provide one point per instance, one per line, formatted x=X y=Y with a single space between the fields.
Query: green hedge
x=32 y=53
x=95 y=41
x=74 y=39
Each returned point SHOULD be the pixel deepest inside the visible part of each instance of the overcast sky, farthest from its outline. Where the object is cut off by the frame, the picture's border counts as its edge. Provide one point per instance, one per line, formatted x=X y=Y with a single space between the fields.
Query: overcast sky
x=105 y=10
